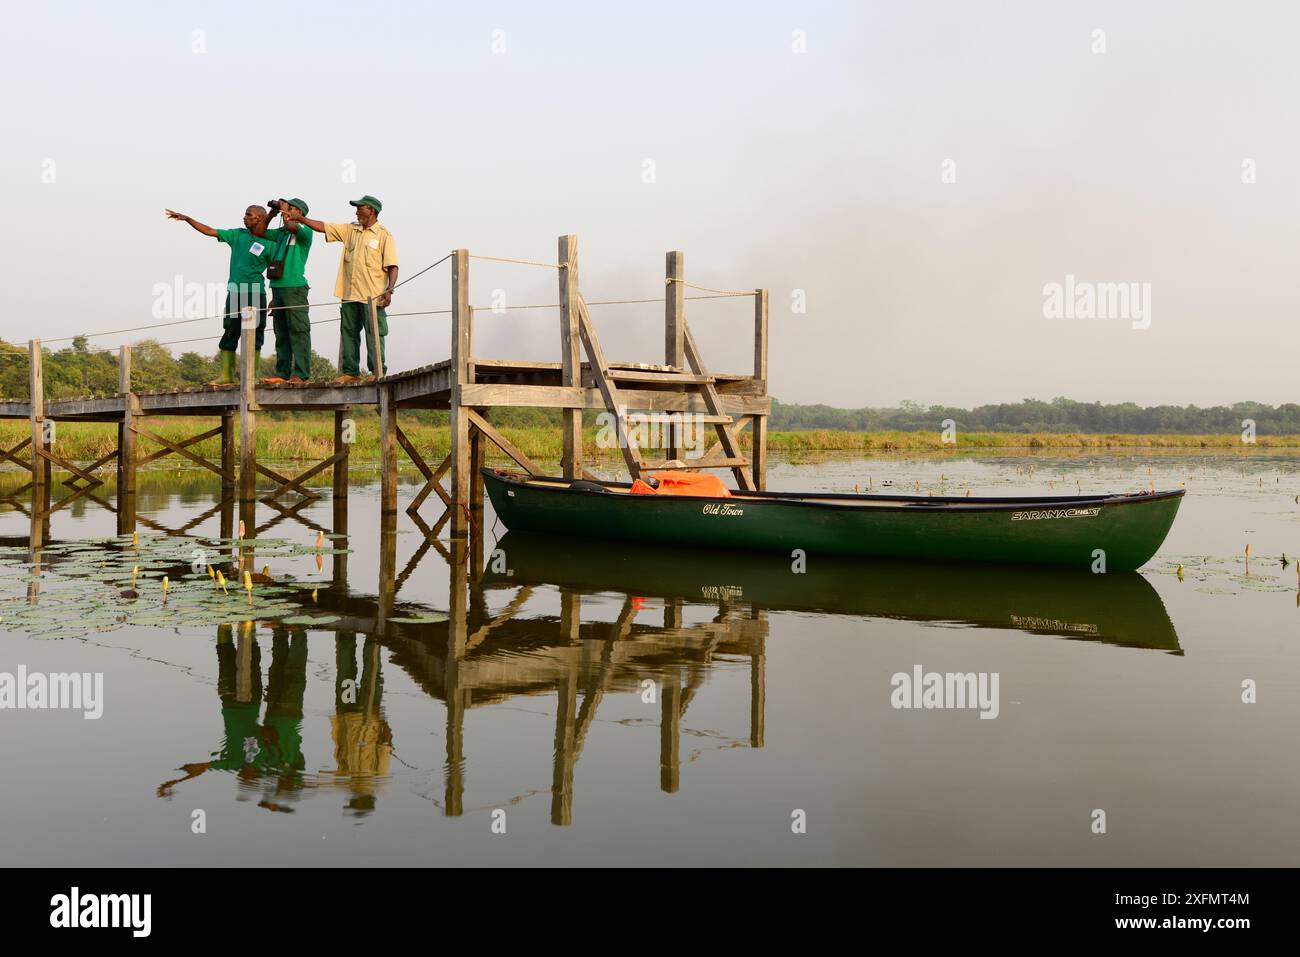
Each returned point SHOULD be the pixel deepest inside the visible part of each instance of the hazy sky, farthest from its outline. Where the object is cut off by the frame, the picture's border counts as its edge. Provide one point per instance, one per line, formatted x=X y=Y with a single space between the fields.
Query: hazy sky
x=820 y=171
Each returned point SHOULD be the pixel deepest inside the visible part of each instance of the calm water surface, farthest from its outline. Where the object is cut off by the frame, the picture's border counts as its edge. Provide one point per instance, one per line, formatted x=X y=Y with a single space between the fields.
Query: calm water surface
x=627 y=706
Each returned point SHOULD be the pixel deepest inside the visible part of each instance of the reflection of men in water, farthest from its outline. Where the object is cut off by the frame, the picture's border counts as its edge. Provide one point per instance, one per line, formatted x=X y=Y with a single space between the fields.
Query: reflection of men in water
x=363 y=741
x=271 y=749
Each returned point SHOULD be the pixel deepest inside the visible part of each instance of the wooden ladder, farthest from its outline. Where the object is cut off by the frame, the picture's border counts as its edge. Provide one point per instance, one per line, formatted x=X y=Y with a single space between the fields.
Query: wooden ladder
x=697 y=382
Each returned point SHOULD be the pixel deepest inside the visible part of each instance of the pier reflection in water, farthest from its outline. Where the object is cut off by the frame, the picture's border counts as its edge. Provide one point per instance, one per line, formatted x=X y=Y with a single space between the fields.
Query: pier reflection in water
x=468 y=656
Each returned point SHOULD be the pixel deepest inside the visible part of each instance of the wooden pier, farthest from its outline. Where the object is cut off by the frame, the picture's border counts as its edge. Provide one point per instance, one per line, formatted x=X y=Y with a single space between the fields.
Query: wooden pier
x=467 y=386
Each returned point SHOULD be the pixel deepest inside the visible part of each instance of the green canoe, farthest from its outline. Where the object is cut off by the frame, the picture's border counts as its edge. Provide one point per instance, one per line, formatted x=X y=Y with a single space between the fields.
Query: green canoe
x=1120 y=608
x=1060 y=530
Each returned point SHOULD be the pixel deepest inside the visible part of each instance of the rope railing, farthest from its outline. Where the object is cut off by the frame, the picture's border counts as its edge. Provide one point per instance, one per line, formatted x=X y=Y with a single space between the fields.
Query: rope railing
x=721 y=292
x=521 y=262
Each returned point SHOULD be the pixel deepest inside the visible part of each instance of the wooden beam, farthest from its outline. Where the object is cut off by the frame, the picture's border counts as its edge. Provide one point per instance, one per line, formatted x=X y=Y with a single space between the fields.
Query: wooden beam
x=53 y=459
x=758 y=453
x=228 y=451
x=674 y=316
x=342 y=418
x=504 y=444
x=477 y=455
x=570 y=355
x=387 y=452
x=460 y=358
x=12 y=454
x=126 y=442
x=36 y=381
x=247 y=406
x=434 y=479
x=730 y=442
x=178 y=449
x=608 y=390
x=192 y=440
x=409 y=447
x=295 y=483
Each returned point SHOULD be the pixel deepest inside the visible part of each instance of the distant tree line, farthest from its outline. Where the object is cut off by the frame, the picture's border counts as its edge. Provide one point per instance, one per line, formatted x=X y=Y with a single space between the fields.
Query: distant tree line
x=1035 y=415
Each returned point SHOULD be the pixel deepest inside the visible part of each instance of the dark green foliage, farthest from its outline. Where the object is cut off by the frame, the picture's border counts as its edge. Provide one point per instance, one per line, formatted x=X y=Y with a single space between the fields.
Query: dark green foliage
x=1035 y=415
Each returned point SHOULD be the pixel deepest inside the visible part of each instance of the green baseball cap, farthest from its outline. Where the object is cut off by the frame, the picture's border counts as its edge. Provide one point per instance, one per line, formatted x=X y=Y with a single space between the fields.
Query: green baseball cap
x=370 y=201
x=300 y=204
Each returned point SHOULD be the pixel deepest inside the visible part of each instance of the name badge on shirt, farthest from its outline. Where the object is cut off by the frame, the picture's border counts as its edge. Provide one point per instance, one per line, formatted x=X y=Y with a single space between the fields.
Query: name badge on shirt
x=256 y=249
x=373 y=244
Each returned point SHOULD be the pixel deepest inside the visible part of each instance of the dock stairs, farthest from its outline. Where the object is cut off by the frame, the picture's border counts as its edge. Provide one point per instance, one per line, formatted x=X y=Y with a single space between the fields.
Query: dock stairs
x=696 y=381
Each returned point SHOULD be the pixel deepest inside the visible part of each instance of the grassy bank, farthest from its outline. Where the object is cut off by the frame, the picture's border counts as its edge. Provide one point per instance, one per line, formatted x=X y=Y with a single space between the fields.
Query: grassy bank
x=310 y=439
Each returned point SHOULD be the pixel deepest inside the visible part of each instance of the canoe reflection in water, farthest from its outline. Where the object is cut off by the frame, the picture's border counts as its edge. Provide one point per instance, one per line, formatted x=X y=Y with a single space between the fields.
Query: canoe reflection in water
x=473 y=657
x=1119 y=608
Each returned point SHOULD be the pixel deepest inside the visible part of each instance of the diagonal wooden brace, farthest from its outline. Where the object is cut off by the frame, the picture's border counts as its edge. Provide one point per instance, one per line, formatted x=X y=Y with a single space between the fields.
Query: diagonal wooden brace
x=180 y=449
x=55 y=460
x=11 y=454
x=295 y=484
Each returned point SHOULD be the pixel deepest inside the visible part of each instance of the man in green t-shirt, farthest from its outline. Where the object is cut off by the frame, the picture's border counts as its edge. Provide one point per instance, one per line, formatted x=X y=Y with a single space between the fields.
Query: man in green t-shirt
x=250 y=252
x=289 y=314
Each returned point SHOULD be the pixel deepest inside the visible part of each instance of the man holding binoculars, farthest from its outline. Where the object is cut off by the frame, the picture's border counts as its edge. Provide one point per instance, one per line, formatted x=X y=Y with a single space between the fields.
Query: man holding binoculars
x=289 y=313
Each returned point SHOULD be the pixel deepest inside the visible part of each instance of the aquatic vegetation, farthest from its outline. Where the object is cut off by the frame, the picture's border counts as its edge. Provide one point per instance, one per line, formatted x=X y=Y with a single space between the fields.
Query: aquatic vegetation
x=70 y=589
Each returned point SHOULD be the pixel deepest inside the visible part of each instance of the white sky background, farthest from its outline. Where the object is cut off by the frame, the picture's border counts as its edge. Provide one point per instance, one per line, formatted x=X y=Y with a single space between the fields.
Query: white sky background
x=817 y=171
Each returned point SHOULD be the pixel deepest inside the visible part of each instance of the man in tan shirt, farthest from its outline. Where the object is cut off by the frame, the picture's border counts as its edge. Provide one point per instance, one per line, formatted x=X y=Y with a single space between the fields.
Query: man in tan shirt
x=367 y=269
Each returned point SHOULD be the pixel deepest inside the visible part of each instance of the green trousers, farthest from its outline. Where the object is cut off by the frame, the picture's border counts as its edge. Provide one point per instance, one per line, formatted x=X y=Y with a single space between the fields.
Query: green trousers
x=238 y=298
x=355 y=325
x=292 y=325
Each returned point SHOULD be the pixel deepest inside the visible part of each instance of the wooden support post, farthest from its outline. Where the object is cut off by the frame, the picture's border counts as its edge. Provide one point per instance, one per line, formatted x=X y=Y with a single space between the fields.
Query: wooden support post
x=387 y=590
x=570 y=356
x=248 y=410
x=227 y=517
x=670 y=723
x=40 y=437
x=456 y=696
x=126 y=438
x=674 y=341
x=460 y=358
x=566 y=712
x=387 y=452
x=376 y=343
x=758 y=434
x=477 y=457
x=339 y=563
x=757 y=689
x=228 y=482
x=344 y=432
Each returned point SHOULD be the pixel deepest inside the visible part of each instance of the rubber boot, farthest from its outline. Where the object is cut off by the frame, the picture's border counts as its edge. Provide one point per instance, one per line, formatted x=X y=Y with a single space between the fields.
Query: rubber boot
x=228 y=363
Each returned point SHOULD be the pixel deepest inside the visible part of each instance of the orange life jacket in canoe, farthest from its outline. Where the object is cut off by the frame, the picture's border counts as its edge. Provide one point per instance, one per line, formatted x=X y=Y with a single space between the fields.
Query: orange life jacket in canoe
x=683 y=483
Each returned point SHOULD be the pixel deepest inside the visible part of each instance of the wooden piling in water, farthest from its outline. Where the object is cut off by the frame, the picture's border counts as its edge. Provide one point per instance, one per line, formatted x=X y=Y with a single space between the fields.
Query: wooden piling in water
x=758 y=431
x=460 y=351
x=40 y=437
x=339 y=470
x=387 y=452
x=228 y=469
x=570 y=356
x=248 y=410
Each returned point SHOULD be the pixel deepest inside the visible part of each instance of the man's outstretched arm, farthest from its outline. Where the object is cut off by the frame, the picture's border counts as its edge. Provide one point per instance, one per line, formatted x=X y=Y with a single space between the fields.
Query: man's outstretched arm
x=205 y=230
